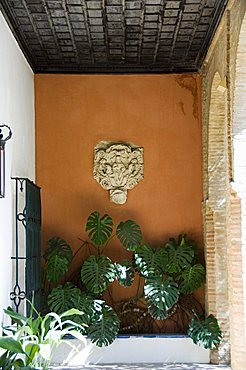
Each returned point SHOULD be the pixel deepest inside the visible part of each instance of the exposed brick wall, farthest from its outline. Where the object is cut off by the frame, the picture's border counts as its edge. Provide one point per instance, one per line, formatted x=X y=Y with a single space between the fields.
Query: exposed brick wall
x=236 y=293
x=239 y=139
x=224 y=136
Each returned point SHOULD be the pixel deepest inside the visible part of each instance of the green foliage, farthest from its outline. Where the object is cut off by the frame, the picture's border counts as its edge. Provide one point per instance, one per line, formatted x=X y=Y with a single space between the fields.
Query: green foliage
x=100 y=229
x=165 y=273
x=30 y=342
x=58 y=256
x=64 y=298
x=206 y=332
x=11 y=344
x=105 y=325
x=124 y=273
x=161 y=294
x=57 y=265
x=179 y=255
x=60 y=246
x=129 y=234
x=97 y=273
x=84 y=303
x=61 y=298
x=150 y=262
x=191 y=278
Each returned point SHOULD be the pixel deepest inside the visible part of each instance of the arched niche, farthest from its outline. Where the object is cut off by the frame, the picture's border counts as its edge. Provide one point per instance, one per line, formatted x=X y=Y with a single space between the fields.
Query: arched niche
x=239 y=177
x=216 y=216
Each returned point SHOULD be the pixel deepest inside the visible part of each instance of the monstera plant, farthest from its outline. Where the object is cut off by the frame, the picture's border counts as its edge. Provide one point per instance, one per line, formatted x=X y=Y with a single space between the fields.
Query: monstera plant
x=99 y=271
x=168 y=273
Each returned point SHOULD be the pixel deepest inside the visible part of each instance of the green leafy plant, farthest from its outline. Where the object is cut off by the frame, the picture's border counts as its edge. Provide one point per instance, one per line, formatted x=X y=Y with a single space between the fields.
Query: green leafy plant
x=149 y=261
x=31 y=341
x=97 y=273
x=178 y=255
x=168 y=272
x=165 y=274
x=191 y=278
x=161 y=294
x=206 y=332
x=100 y=229
x=61 y=298
x=129 y=234
x=104 y=325
x=58 y=256
x=124 y=273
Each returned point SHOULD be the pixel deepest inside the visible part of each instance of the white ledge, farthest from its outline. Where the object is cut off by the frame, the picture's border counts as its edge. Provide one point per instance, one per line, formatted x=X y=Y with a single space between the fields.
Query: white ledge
x=133 y=349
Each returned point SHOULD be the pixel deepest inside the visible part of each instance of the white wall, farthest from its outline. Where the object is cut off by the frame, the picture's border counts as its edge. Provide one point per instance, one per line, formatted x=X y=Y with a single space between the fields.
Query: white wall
x=17 y=111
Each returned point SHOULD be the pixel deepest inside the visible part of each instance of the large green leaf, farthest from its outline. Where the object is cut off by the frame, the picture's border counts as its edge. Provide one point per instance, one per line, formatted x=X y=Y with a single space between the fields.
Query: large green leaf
x=31 y=349
x=16 y=317
x=97 y=273
x=58 y=256
x=99 y=229
x=150 y=262
x=129 y=234
x=57 y=265
x=4 y=359
x=179 y=256
x=206 y=332
x=124 y=273
x=61 y=298
x=84 y=303
x=10 y=344
x=161 y=293
x=105 y=326
x=58 y=246
x=159 y=313
x=192 y=278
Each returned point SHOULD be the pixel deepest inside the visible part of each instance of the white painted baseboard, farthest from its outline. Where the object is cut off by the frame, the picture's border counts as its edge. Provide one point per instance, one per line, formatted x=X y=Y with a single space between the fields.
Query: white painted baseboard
x=133 y=349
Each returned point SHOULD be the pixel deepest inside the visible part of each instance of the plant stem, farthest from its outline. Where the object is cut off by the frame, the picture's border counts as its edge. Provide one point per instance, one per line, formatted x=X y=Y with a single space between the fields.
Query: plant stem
x=85 y=242
x=138 y=289
x=110 y=296
x=107 y=242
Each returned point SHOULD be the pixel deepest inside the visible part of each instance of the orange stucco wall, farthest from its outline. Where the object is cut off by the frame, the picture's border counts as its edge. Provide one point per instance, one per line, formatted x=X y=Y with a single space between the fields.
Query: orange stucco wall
x=158 y=112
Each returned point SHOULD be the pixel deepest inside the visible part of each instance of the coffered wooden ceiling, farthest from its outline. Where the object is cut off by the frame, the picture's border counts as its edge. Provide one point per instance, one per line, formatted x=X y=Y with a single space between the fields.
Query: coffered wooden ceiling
x=113 y=36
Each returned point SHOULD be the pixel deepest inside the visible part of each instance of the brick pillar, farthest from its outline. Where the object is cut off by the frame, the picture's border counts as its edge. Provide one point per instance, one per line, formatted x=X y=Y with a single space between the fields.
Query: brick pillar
x=236 y=291
x=216 y=219
x=237 y=281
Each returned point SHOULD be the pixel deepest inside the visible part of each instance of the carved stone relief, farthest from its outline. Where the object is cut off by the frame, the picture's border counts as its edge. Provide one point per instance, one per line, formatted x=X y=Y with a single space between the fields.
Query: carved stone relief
x=118 y=167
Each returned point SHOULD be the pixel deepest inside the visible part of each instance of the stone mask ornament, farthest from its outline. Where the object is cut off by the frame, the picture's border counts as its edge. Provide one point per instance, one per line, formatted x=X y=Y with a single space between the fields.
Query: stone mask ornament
x=118 y=167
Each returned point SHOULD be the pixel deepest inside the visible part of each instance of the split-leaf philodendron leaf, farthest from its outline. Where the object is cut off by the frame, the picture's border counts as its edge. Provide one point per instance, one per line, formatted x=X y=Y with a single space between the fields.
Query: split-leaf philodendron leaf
x=129 y=234
x=124 y=273
x=163 y=294
x=100 y=228
x=97 y=273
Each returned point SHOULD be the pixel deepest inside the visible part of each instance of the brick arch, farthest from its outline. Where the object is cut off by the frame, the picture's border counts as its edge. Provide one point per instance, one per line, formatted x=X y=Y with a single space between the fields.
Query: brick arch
x=238 y=210
x=216 y=216
x=223 y=224
x=239 y=129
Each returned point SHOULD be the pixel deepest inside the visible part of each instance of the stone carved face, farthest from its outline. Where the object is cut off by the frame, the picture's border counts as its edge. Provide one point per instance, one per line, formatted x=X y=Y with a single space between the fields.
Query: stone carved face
x=118 y=167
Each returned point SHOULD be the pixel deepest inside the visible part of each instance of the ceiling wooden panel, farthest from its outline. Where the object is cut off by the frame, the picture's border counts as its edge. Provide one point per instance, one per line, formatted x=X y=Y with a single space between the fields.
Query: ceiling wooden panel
x=113 y=36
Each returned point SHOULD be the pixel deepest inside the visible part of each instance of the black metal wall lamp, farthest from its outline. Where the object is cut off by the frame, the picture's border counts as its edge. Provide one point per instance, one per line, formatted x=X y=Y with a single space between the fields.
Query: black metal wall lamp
x=3 y=139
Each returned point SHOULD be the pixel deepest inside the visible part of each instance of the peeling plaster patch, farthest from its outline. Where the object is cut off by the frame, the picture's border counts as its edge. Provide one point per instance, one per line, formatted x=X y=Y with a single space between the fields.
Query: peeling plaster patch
x=190 y=83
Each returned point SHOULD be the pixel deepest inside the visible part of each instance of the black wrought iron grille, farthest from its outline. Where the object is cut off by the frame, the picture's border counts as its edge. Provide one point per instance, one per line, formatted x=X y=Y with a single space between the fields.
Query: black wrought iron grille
x=27 y=271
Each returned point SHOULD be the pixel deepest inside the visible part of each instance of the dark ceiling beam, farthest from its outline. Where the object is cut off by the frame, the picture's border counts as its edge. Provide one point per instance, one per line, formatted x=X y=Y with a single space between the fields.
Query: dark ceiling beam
x=114 y=36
